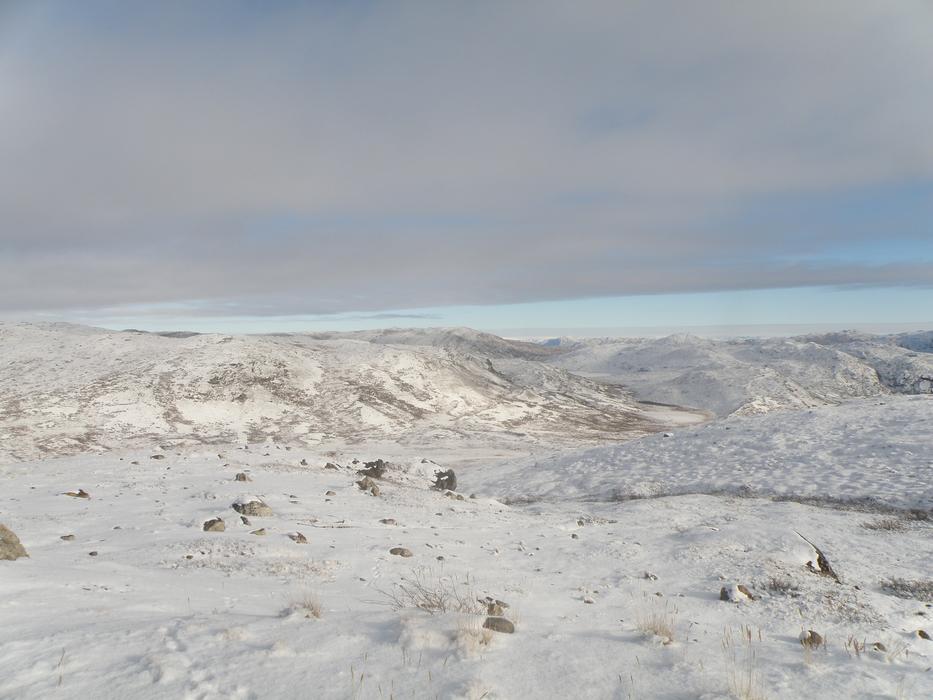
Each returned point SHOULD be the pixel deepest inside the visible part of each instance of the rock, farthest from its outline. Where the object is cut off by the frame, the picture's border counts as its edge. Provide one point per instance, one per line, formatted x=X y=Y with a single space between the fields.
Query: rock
x=67 y=538
x=253 y=507
x=214 y=525
x=735 y=593
x=588 y=600
x=367 y=484
x=156 y=456
x=574 y=536
x=455 y=496
x=242 y=477
x=261 y=532
x=80 y=493
x=811 y=639
x=331 y=493
x=445 y=480
x=298 y=538
x=878 y=646
x=331 y=465
x=10 y=546
x=245 y=520
x=303 y=462
x=401 y=552
x=923 y=634
x=652 y=577
x=374 y=469
x=388 y=521
x=499 y=624
x=92 y=554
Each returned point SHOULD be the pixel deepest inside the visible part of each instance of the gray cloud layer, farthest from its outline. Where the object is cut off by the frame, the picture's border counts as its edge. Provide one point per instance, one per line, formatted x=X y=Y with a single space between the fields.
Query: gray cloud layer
x=357 y=156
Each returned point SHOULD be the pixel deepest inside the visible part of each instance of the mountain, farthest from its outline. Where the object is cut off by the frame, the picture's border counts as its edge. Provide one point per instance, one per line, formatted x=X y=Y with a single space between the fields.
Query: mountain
x=754 y=375
x=66 y=388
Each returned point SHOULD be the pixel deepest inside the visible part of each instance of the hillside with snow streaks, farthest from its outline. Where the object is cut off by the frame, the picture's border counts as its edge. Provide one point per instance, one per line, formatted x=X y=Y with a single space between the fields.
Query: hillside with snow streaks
x=756 y=375
x=68 y=389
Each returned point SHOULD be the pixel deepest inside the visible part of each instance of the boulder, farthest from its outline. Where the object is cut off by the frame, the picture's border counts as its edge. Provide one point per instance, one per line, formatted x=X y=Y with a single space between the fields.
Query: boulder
x=499 y=624
x=445 y=480
x=253 y=507
x=10 y=546
x=214 y=525
x=401 y=552
x=367 y=484
x=374 y=469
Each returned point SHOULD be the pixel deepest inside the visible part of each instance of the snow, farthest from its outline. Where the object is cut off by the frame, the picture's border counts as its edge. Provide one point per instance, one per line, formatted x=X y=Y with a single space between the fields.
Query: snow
x=610 y=548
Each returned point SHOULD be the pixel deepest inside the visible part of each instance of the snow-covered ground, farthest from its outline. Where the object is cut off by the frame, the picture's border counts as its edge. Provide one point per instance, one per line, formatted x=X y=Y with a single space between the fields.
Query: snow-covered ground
x=611 y=558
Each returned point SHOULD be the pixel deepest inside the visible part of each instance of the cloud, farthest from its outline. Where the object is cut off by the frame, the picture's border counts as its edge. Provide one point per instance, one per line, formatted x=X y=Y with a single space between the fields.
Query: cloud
x=344 y=157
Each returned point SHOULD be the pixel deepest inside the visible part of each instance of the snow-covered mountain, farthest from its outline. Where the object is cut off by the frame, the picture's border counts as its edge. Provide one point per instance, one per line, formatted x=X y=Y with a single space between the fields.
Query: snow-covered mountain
x=66 y=388
x=748 y=376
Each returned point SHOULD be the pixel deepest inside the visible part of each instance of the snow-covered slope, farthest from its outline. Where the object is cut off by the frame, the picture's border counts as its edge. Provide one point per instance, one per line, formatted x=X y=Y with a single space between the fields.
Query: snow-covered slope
x=608 y=599
x=70 y=388
x=868 y=450
x=748 y=376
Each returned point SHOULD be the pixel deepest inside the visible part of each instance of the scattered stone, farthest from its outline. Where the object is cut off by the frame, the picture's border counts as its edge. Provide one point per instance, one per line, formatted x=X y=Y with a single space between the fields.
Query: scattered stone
x=331 y=465
x=878 y=646
x=298 y=538
x=331 y=493
x=92 y=554
x=303 y=462
x=588 y=600
x=376 y=469
x=67 y=538
x=242 y=477
x=499 y=624
x=80 y=493
x=367 y=484
x=245 y=520
x=134 y=462
x=388 y=521
x=735 y=593
x=574 y=536
x=811 y=639
x=822 y=562
x=261 y=531
x=923 y=634
x=401 y=552
x=254 y=507
x=156 y=456
x=455 y=496
x=10 y=546
x=652 y=577
x=214 y=525
x=445 y=480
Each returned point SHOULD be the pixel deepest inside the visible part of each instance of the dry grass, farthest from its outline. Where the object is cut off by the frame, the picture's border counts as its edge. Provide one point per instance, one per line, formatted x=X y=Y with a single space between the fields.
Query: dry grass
x=472 y=637
x=782 y=586
x=427 y=590
x=886 y=525
x=745 y=681
x=921 y=590
x=659 y=621
x=308 y=604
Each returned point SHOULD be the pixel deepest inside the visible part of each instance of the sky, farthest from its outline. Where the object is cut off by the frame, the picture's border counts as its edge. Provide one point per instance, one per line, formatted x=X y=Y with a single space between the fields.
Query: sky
x=523 y=165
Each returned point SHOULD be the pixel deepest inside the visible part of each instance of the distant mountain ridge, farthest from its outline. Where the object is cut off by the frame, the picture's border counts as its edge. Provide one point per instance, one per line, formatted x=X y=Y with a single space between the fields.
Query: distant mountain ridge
x=67 y=388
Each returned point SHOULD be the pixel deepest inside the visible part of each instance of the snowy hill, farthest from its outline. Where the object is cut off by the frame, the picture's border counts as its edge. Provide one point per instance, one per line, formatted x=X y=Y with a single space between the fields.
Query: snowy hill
x=67 y=389
x=748 y=376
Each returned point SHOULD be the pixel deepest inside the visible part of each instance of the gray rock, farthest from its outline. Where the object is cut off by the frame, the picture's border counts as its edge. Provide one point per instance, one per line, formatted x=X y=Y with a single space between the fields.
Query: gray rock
x=499 y=624
x=374 y=469
x=298 y=538
x=214 y=525
x=401 y=552
x=445 y=480
x=67 y=538
x=367 y=484
x=261 y=531
x=10 y=546
x=257 y=509
x=241 y=476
